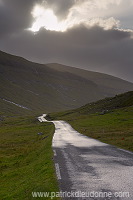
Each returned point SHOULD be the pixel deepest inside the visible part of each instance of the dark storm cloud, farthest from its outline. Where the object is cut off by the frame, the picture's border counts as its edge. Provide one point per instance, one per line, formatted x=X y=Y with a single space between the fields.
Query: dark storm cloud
x=95 y=49
x=15 y=15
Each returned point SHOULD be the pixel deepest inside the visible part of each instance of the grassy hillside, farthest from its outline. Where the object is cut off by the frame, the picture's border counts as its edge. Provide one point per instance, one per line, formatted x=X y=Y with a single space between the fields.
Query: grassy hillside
x=109 y=120
x=26 y=158
x=108 y=104
x=108 y=85
x=43 y=88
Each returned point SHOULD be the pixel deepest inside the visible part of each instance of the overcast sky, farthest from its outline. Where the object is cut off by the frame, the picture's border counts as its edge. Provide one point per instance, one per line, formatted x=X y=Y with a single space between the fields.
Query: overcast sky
x=91 y=34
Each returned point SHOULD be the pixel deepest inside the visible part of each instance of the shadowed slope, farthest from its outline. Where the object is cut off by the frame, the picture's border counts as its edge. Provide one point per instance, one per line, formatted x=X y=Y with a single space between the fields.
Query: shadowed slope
x=43 y=88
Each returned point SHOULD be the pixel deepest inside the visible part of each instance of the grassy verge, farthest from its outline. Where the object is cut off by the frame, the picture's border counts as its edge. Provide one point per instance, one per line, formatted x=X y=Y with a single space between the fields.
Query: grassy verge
x=114 y=127
x=26 y=158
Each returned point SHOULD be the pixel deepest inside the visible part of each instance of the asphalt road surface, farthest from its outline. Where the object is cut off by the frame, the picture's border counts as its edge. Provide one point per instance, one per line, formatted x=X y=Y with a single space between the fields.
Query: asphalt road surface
x=89 y=169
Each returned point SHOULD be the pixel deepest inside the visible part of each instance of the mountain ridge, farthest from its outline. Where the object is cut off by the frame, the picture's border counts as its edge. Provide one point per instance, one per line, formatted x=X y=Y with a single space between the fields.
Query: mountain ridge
x=56 y=65
x=45 y=88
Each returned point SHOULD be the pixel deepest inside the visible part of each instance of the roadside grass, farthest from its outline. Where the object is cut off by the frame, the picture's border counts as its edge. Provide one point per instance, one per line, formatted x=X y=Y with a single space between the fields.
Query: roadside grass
x=114 y=127
x=26 y=158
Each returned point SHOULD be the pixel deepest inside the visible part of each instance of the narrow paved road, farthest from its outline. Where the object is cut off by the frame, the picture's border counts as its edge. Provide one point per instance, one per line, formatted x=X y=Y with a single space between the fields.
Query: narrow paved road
x=89 y=169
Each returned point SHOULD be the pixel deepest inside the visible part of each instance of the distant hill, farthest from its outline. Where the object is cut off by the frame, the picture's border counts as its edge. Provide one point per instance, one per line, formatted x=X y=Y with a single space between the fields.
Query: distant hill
x=26 y=86
x=107 y=84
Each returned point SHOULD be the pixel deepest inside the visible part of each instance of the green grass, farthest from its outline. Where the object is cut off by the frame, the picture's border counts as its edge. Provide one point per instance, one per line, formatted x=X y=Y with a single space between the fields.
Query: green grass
x=113 y=126
x=26 y=158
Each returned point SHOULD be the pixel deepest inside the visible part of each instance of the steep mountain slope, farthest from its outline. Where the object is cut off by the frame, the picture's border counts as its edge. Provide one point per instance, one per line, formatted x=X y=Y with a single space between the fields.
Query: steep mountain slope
x=42 y=88
x=108 y=85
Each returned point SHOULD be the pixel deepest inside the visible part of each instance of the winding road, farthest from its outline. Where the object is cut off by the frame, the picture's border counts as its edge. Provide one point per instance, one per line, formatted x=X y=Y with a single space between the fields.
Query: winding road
x=89 y=169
